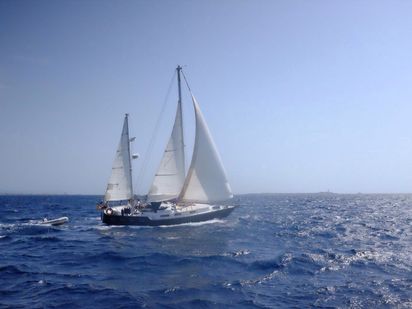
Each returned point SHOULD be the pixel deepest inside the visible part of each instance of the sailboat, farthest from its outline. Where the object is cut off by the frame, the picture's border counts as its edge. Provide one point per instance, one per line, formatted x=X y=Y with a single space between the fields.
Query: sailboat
x=175 y=197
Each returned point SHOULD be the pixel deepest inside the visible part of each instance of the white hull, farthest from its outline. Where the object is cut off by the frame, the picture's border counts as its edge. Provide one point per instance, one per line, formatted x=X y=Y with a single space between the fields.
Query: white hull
x=54 y=222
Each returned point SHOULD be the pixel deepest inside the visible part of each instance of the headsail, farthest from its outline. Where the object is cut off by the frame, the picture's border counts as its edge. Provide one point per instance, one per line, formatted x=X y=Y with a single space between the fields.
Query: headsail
x=206 y=180
x=119 y=186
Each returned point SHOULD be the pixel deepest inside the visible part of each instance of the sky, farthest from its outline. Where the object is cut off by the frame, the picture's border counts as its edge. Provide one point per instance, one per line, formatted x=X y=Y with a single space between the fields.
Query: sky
x=300 y=96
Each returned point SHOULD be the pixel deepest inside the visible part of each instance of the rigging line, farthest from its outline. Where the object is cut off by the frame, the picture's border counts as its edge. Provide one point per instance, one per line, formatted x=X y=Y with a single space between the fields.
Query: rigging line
x=187 y=83
x=149 y=149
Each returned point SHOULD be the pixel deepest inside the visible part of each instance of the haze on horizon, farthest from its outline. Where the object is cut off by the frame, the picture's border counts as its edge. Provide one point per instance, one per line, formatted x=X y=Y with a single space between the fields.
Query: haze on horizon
x=300 y=96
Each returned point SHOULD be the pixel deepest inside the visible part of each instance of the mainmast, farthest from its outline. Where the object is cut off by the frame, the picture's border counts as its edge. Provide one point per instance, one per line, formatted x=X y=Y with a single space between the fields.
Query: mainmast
x=179 y=102
x=179 y=69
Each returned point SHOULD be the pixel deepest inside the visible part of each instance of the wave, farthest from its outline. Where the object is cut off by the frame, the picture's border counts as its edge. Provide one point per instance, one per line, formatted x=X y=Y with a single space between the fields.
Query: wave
x=213 y=221
x=265 y=264
x=237 y=253
x=47 y=238
x=97 y=296
x=11 y=269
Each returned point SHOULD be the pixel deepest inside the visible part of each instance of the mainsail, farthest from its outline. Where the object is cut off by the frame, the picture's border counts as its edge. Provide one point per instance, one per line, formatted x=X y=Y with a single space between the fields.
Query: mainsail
x=119 y=186
x=206 y=179
x=170 y=176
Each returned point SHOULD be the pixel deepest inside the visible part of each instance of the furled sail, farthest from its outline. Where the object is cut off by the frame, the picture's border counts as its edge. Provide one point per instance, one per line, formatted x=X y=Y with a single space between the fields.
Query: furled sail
x=206 y=179
x=119 y=186
x=170 y=176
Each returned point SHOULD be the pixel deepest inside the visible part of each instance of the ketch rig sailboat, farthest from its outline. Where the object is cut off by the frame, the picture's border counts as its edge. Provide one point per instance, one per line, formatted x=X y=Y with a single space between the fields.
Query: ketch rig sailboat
x=174 y=197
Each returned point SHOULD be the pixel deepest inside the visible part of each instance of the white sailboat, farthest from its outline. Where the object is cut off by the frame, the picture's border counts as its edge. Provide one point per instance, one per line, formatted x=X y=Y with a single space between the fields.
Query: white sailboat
x=174 y=197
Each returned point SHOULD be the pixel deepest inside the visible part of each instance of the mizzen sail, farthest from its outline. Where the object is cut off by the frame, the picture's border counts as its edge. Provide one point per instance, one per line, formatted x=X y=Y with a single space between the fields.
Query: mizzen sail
x=119 y=186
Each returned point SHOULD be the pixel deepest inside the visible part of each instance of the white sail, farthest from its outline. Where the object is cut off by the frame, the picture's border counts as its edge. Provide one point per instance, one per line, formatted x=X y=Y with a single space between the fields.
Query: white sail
x=170 y=176
x=206 y=179
x=119 y=186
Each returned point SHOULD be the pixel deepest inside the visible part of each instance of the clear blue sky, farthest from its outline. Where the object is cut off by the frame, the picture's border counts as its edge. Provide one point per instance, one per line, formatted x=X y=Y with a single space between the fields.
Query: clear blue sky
x=300 y=96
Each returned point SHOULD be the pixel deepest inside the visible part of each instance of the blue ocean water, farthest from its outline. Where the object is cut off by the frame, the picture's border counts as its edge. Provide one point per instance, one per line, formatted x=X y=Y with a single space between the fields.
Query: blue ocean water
x=273 y=251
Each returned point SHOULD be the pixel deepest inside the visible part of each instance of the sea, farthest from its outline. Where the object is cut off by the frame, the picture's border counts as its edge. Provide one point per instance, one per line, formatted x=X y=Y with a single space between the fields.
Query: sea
x=274 y=251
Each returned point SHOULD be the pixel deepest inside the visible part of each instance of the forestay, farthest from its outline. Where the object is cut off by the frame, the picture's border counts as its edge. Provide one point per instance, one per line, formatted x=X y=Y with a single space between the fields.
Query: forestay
x=170 y=176
x=206 y=180
x=119 y=186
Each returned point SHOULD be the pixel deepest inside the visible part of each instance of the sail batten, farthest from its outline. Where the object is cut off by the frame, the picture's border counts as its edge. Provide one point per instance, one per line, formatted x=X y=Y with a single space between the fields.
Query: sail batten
x=120 y=185
x=206 y=180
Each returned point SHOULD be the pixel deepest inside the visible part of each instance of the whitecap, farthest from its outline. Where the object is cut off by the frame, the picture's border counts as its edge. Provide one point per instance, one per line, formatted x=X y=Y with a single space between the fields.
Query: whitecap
x=213 y=221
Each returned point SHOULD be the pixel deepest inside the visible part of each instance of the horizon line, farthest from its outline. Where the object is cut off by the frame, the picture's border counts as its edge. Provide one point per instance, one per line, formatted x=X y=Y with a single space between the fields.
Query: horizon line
x=237 y=194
